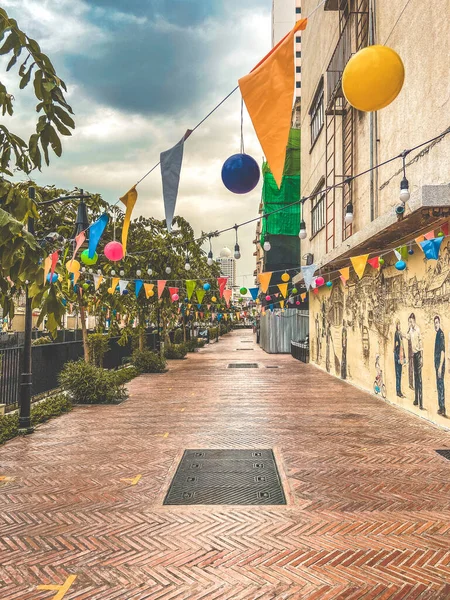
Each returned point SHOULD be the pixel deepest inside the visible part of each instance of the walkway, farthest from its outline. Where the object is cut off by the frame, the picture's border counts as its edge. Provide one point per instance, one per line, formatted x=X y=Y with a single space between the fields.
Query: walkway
x=369 y=499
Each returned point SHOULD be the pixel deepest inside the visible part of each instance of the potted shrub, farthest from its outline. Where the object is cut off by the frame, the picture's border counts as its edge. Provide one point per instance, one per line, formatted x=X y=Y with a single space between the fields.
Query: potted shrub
x=88 y=384
x=147 y=361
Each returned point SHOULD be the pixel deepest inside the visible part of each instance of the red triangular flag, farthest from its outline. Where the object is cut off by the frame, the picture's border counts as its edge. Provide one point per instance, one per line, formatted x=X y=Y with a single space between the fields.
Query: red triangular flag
x=222 y=281
x=444 y=228
x=173 y=291
x=315 y=291
x=374 y=262
x=161 y=286
x=54 y=258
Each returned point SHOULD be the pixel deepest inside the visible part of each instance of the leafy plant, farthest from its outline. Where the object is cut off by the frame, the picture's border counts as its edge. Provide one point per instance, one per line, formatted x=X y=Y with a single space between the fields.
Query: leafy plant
x=98 y=344
x=9 y=427
x=178 y=336
x=147 y=361
x=212 y=333
x=201 y=343
x=127 y=374
x=175 y=351
x=45 y=339
x=88 y=384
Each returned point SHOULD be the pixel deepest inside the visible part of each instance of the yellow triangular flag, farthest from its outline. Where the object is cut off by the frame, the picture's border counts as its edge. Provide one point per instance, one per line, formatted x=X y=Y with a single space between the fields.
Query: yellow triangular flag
x=97 y=281
x=129 y=199
x=282 y=303
x=345 y=274
x=359 y=264
x=76 y=277
x=268 y=93
x=264 y=281
x=148 y=287
x=283 y=287
x=114 y=284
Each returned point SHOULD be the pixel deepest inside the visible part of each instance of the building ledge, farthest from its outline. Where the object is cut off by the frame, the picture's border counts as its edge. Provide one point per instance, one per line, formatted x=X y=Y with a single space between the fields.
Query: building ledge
x=427 y=209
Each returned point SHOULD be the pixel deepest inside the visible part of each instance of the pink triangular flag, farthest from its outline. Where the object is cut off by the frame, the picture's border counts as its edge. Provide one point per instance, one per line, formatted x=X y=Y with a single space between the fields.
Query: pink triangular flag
x=429 y=235
x=79 y=241
x=227 y=295
x=54 y=258
x=161 y=286
x=222 y=281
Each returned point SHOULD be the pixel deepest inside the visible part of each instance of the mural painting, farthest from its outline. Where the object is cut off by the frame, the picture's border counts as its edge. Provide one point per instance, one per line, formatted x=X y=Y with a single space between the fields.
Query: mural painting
x=387 y=332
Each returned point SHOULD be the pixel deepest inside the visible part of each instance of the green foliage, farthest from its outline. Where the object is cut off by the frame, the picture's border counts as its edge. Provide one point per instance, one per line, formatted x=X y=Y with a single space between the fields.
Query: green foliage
x=98 y=344
x=52 y=108
x=201 y=343
x=178 y=336
x=88 y=384
x=147 y=361
x=212 y=333
x=40 y=412
x=126 y=374
x=45 y=339
x=175 y=351
x=223 y=329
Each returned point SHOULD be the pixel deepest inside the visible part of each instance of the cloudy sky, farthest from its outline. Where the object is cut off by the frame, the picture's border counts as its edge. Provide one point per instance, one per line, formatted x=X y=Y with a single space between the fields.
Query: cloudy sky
x=139 y=73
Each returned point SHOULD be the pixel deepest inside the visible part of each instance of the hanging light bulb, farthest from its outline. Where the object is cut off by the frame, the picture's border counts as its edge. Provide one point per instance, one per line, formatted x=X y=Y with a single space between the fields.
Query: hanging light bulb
x=83 y=269
x=149 y=270
x=168 y=270
x=404 y=184
x=349 y=213
x=267 y=246
x=99 y=271
x=138 y=273
x=187 y=266
x=122 y=273
x=210 y=260
x=91 y=271
x=237 y=250
x=302 y=234
x=113 y=272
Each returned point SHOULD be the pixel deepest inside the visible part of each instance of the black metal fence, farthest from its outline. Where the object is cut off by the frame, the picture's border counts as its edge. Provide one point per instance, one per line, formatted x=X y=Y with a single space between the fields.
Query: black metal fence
x=300 y=351
x=48 y=361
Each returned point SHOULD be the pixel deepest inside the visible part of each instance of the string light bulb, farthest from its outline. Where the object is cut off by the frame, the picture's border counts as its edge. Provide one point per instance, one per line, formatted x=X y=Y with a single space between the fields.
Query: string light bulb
x=404 y=184
x=149 y=270
x=237 y=250
x=349 y=213
x=187 y=265
x=168 y=270
x=210 y=260
x=122 y=273
x=267 y=246
x=138 y=273
x=302 y=234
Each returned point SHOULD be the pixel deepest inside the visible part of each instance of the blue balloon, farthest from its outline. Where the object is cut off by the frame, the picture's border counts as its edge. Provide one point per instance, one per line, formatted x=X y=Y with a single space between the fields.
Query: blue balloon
x=206 y=287
x=54 y=278
x=125 y=293
x=186 y=300
x=199 y=305
x=240 y=173
x=410 y=251
x=329 y=283
x=400 y=265
x=64 y=302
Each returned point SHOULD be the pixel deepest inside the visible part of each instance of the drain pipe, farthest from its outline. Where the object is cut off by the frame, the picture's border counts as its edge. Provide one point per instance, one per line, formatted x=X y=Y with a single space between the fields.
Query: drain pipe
x=372 y=119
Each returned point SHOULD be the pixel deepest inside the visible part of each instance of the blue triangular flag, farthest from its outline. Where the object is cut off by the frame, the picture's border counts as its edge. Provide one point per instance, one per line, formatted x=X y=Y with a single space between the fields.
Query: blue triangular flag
x=138 y=283
x=95 y=233
x=254 y=292
x=432 y=247
x=171 y=161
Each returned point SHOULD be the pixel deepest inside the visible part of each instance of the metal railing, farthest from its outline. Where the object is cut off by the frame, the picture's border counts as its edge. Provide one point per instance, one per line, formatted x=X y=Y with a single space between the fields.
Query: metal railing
x=9 y=375
x=300 y=351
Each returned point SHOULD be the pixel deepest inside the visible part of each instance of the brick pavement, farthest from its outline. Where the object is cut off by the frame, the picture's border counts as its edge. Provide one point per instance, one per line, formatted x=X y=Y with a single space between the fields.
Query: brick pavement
x=369 y=499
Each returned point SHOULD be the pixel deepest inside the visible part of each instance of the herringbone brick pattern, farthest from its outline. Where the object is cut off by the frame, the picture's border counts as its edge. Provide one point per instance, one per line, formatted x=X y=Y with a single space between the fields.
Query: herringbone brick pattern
x=368 y=514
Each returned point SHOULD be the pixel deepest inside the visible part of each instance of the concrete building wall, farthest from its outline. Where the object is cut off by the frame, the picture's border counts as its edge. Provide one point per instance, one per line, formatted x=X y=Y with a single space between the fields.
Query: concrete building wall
x=352 y=325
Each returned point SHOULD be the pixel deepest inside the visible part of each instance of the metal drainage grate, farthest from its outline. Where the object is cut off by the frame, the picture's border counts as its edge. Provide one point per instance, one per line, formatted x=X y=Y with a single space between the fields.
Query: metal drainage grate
x=444 y=453
x=243 y=366
x=246 y=341
x=244 y=349
x=272 y=367
x=226 y=477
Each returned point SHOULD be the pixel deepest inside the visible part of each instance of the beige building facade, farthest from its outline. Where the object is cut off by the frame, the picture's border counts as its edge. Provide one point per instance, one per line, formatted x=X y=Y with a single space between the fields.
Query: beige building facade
x=354 y=324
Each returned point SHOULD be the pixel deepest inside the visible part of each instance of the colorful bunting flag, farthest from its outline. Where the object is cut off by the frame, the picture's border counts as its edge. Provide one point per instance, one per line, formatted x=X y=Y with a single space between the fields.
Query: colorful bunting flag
x=282 y=303
x=344 y=274
x=200 y=295
x=268 y=95
x=161 y=286
x=54 y=258
x=172 y=291
x=445 y=228
x=431 y=248
x=129 y=199
x=283 y=287
x=429 y=235
x=148 y=287
x=374 y=262
x=114 y=284
x=97 y=281
x=398 y=256
x=222 y=281
x=138 y=283
x=264 y=281
x=254 y=292
x=303 y=296
x=315 y=291
x=79 y=241
x=359 y=264
x=227 y=295
x=308 y=274
x=123 y=284
x=95 y=233
x=190 y=287
x=171 y=161
x=76 y=277
x=47 y=266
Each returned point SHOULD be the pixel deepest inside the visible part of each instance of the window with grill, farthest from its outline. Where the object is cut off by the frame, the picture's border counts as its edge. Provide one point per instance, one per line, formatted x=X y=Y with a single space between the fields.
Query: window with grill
x=298 y=39
x=317 y=113
x=298 y=69
x=298 y=54
x=298 y=84
x=318 y=210
x=298 y=10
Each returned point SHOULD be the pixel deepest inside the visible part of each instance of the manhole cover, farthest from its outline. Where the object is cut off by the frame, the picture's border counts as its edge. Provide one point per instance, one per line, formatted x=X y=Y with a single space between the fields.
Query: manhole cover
x=226 y=477
x=444 y=453
x=243 y=366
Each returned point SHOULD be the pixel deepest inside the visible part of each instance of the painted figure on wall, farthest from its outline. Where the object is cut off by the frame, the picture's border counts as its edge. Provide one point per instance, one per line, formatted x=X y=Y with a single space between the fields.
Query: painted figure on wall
x=399 y=358
x=379 y=386
x=344 y=351
x=414 y=336
x=439 y=364
x=328 y=349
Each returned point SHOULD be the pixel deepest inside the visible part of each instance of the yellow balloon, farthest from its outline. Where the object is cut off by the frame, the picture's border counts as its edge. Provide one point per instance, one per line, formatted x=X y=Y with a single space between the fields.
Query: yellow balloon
x=110 y=290
x=151 y=293
x=73 y=266
x=213 y=299
x=285 y=277
x=373 y=78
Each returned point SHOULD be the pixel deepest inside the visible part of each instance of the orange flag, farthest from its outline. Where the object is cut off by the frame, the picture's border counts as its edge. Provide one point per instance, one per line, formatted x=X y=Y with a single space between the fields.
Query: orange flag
x=345 y=274
x=129 y=199
x=47 y=266
x=148 y=287
x=268 y=92
x=161 y=286
x=264 y=281
x=359 y=264
x=303 y=296
x=282 y=303
x=114 y=284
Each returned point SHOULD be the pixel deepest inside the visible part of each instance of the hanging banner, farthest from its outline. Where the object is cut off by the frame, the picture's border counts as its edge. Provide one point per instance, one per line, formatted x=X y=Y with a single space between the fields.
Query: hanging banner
x=283 y=287
x=161 y=286
x=398 y=256
x=345 y=274
x=190 y=287
x=374 y=262
x=97 y=281
x=264 y=281
x=148 y=287
x=359 y=264
x=254 y=292
x=171 y=161
x=54 y=258
x=47 y=266
x=122 y=286
x=268 y=92
x=431 y=248
x=138 y=283
x=308 y=274
x=222 y=281
x=129 y=199
x=95 y=233
x=227 y=295
x=114 y=284
x=200 y=295
x=79 y=241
